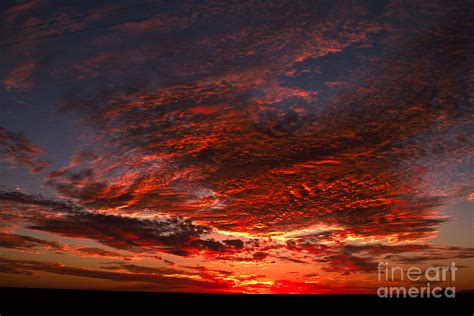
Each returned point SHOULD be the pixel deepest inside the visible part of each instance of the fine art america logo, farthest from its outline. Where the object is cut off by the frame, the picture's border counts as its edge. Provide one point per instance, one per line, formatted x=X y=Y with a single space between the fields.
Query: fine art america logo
x=426 y=281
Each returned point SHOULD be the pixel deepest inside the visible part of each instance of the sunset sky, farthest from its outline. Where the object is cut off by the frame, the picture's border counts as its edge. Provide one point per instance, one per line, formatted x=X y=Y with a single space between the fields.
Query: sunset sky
x=234 y=146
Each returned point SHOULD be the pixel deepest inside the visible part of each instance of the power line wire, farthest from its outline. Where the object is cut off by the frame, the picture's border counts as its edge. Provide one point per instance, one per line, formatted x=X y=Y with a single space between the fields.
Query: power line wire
x=113 y=24
x=53 y=21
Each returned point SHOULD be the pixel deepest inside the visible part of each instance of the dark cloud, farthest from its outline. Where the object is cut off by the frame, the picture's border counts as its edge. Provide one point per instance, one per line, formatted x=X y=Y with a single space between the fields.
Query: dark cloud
x=32 y=244
x=173 y=235
x=155 y=276
x=17 y=150
x=14 y=241
x=433 y=254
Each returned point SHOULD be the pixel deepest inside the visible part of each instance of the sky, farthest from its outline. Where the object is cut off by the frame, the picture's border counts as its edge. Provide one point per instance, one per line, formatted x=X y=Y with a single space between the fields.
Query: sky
x=234 y=146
